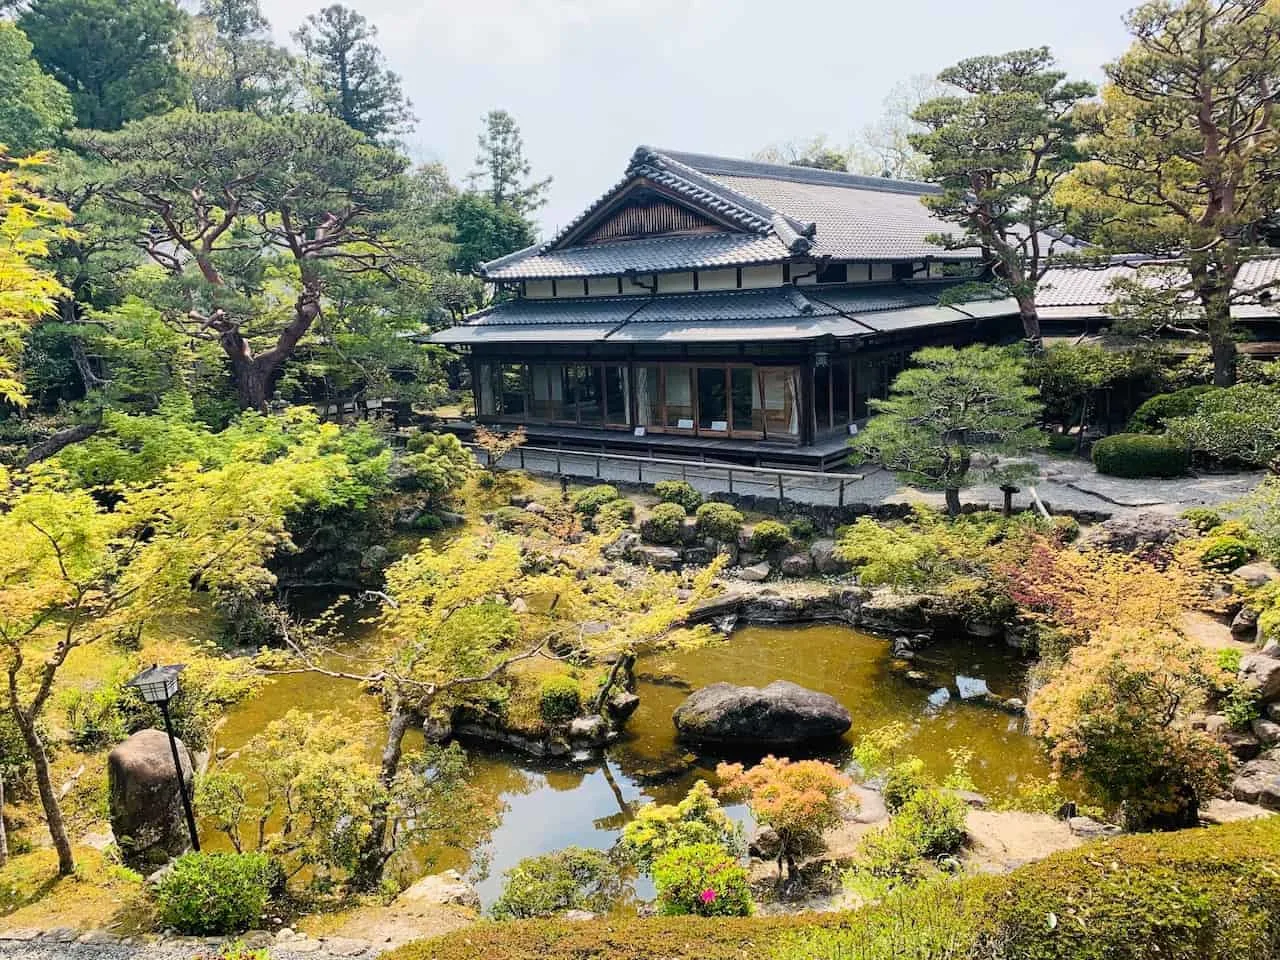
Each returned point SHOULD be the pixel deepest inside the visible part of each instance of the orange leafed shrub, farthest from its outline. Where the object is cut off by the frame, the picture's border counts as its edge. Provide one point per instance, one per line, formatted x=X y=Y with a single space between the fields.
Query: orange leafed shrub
x=799 y=800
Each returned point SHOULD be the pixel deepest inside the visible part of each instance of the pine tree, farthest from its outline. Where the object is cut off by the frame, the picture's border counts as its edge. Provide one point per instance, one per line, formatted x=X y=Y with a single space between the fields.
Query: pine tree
x=503 y=170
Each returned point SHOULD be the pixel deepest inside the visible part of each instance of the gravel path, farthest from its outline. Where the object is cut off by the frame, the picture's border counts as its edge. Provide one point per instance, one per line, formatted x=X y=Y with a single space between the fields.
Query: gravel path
x=99 y=945
x=1064 y=484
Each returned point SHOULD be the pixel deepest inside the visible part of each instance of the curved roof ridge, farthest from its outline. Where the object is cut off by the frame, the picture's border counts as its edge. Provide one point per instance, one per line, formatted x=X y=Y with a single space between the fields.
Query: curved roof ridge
x=713 y=165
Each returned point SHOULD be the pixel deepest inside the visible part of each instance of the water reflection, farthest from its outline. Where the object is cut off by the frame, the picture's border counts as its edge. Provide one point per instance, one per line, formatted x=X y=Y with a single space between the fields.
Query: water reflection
x=541 y=807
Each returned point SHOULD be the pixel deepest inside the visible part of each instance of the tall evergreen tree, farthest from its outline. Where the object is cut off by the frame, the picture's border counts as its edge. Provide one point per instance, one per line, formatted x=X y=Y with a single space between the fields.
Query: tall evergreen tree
x=998 y=147
x=34 y=107
x=502 y=169
x=1188 y=159
x=118 y=58
x=347 y=74
x=232 y=63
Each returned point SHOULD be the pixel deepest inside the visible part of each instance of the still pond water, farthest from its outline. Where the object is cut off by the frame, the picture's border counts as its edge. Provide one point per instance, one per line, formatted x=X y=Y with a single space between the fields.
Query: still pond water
x=545 y=807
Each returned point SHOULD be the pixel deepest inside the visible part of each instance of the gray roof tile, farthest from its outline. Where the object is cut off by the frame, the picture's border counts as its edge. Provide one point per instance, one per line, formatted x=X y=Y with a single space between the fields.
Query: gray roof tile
x=776 y=313
x=782 y=211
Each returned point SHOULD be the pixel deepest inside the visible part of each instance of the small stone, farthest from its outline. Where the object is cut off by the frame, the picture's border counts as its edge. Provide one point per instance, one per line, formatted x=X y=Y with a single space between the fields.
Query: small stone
x=1263 y=672
x=1243 y=745
x=973 y=798
x=1089 y=829
x=623 y=704
x=756 y=573
x=61 y=935
x=305 y=946
x=1272 y=711
x=971 y=688
x=20 y=933
x=1258 y=781
x=94 y=937
x=344 y=947
x=285 y=933
x=824 y=557
x=939 y=699
x=1256 y=574
x=591 y=730
x=1244 y=625
x=797 y=565
x=1267 y=731
x=536 y=508
x=450 y=519
x=577 y=916
x=519 y=500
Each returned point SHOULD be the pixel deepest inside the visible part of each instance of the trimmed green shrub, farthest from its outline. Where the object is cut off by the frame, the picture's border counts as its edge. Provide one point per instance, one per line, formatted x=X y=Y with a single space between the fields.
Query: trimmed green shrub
x=515 y=519
x=1153 y=415
x=932 y=820
x=559 y=698
x=719 y=521
x=1065 y=529
x=615 y=513
x=768 y=536
x=678 y=491
x=663 y=523
x=1190 y=895
x=569 y=879
x=588 y=501
x=1139 y=455
x=215 y=893
x=903 y=781
x=1203 y=519
x=1225 y=553
x=1238 y=426
x=1063 y=443
x=703 y=880
x=802 y=528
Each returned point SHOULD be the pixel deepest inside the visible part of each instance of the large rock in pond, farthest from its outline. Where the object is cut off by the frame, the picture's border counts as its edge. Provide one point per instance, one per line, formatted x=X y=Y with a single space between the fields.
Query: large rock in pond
x=779 y=714
x=147 y=818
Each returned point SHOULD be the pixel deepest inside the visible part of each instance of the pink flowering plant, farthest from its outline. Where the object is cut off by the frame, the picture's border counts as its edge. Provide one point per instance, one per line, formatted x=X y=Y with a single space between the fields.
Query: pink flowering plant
x=701 y=879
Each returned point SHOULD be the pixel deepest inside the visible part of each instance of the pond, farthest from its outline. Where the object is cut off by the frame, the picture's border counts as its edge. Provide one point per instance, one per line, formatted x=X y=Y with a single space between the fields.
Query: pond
x=549 y=806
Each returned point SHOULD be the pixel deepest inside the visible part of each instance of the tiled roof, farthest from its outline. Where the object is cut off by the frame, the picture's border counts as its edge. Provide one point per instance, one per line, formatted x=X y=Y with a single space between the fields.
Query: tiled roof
x=773 y=313
x=780 y=211
x=1087 y=286
x=651 y=255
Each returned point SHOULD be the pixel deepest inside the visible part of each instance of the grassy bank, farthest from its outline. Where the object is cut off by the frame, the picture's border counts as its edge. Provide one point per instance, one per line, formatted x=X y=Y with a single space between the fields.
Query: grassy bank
x=1195 y=895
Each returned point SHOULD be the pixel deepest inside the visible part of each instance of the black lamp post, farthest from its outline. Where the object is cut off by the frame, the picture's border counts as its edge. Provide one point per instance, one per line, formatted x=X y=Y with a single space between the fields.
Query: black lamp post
x=159 y=685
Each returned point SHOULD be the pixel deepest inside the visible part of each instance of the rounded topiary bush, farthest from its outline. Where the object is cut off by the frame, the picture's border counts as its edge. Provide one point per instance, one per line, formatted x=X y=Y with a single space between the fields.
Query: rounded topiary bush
x=678 y=491
x=768 y=536
x=615 y=513
x=215 y=893
x=1139 y=455
x=588 y=501
x=663 y=524
x=1225 y=553
x=1154 y=414
x=559 y=698
x=701 y=879
x=1063 y=443
x=719 y=521
x=1203 y=519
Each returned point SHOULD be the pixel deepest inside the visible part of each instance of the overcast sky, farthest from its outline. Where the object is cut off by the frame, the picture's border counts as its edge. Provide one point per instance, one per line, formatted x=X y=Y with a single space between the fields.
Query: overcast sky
x=589 y=80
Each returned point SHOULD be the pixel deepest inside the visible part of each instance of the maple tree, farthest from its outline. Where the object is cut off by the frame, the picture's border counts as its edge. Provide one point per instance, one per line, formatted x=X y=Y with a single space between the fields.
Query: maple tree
x=799 y=799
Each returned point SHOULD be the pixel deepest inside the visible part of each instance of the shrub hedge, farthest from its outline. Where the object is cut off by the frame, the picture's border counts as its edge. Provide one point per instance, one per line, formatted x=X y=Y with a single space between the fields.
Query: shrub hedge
x=1139 y=455
x=1205 y=894
x=678 y=491
x=663 y=524
x=769 y=535
x=215 y=893
x=559 y=698
x=719 y=521
x=588 y=501
x=1153 y=415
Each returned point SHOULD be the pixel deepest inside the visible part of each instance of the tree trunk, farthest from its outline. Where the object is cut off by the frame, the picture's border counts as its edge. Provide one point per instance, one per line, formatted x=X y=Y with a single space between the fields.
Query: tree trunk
x=253 y=387
x=621 y=666
x=48 y=799
x=4 y=835
x=60 y=440
x=1030 y=325
x=373 y=857
x=953 y=501
x=1224 y=357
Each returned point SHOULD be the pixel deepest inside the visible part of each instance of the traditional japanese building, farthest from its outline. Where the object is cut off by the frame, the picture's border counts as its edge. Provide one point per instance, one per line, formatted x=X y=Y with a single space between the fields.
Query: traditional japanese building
x=722 y=307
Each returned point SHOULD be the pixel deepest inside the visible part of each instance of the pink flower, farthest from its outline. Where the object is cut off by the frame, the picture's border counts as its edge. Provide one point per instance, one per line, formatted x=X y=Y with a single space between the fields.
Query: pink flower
x=708 y=895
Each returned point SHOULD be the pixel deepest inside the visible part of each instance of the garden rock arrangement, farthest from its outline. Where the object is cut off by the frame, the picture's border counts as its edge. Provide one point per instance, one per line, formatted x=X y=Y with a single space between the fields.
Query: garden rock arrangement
x=1258 y=780
x=146 y=809
x=780 y=714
